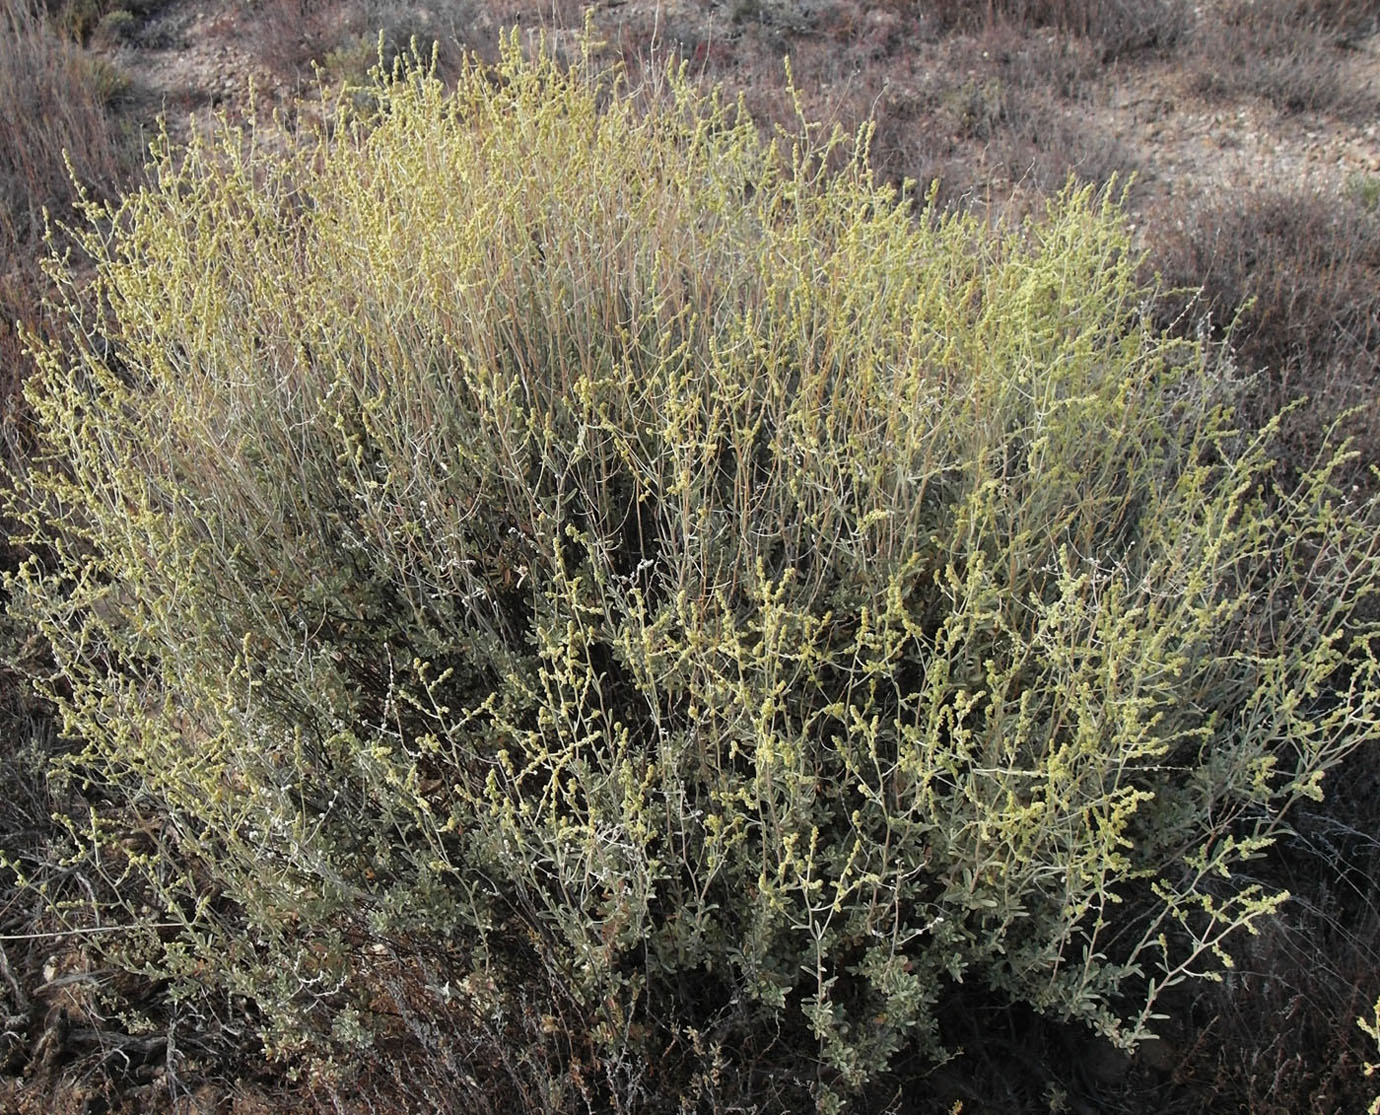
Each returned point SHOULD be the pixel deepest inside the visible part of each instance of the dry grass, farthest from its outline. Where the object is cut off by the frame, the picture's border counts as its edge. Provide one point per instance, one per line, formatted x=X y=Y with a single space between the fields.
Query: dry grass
x=1279 y=1036
x=1288 y=52
x=61 y=125
x=58 y=112
x=1119 y=28
x=1306 y=266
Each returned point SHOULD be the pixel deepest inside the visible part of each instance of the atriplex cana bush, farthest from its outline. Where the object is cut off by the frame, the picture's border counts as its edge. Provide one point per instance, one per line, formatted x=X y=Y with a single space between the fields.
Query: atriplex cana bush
x=546 y=532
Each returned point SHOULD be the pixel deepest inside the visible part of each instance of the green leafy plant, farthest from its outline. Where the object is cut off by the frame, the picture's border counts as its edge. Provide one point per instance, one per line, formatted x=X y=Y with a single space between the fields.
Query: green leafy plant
x=540 y=562
x=1364 y=190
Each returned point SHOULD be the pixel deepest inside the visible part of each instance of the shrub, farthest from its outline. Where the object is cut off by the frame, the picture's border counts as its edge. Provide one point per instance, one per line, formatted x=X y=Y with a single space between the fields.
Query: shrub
x=568 y=585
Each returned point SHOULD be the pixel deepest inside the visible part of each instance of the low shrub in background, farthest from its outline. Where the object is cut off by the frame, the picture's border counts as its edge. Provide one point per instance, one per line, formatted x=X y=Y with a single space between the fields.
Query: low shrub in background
x=1343 y=20
x=1289 y=52
x=1293 y=276
x=344 y=38
x=594 y=611
x=60 y=125
x=96 y=22
x=1119 y=27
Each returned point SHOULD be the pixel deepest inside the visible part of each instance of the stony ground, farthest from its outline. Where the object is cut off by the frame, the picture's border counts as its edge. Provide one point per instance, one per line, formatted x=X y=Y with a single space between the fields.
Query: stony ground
x=193 y=57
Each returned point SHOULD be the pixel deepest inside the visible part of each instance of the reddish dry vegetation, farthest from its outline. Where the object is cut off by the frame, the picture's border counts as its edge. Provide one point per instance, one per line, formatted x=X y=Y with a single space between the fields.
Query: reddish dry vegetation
x=1247 y=130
